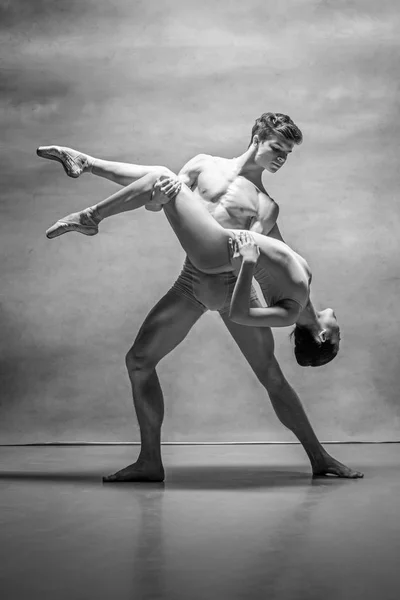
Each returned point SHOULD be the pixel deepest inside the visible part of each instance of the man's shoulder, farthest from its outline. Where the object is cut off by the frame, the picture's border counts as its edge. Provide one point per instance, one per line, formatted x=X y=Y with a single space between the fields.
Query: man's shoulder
x=196 y=161
x=200 y=158
x=213 y=165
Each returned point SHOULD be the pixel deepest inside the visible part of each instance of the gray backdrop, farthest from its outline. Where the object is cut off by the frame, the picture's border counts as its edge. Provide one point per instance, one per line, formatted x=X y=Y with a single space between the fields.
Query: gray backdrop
x=157 y=82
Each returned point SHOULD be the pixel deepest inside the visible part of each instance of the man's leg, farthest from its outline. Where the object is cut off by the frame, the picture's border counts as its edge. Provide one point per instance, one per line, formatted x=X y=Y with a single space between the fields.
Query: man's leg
x=75 y=163
x=165 y=327
x=257 y=345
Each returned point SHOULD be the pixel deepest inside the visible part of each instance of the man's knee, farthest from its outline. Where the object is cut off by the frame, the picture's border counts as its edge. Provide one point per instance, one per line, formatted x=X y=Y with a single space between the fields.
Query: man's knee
x=272 y=377
x=139 y=361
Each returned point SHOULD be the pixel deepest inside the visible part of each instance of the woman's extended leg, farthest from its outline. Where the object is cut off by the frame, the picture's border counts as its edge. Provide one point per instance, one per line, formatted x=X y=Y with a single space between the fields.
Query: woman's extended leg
x=121 y=173
x=205 y=241
x=202 y=238
x=133 y=196
x=75 y=163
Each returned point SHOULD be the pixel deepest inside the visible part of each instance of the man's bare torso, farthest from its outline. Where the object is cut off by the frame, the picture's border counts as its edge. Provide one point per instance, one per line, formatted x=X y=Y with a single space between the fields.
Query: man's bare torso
x=233 y=200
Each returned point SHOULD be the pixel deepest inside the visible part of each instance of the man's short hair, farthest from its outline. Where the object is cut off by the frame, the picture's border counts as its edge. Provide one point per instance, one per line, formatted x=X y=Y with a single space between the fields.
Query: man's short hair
x=270 y=124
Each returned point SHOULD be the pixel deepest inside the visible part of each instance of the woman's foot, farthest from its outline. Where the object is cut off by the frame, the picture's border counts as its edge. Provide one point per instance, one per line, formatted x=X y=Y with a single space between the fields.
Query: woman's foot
x=74 y=163
x=137 y=472
x=85 y=222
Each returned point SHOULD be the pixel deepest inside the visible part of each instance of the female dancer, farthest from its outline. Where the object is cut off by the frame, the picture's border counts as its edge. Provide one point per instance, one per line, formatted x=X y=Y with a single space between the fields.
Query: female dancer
x=213 y=249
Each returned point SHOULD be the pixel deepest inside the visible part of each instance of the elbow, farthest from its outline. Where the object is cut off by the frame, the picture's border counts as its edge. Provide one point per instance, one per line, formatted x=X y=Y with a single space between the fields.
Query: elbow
x=292 y=320
x=237 y=317
x=293 y=316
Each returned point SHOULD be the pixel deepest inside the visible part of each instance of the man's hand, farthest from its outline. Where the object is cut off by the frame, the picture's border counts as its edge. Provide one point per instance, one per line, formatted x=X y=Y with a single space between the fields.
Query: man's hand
x=169 y=186
x=165 y=189
x=247 y=248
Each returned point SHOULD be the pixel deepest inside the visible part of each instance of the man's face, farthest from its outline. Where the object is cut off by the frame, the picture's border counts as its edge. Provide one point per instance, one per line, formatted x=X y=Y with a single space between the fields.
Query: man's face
x=272 y=154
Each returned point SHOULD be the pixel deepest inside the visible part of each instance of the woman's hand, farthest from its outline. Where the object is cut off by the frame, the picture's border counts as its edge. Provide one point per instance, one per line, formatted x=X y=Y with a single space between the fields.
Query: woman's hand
x=247 y=248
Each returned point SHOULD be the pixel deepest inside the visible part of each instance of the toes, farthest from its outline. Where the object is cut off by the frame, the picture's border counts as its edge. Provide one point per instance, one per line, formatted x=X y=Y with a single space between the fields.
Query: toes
x=352 y=474
x=62 y=227
x=42 y=151
x=56 y=230
x=340 y=473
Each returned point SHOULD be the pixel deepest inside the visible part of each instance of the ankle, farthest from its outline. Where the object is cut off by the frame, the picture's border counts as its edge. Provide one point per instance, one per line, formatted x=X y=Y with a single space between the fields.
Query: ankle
x=94 y=214
x=316 y=455
x=90 y=164
x=150 y=459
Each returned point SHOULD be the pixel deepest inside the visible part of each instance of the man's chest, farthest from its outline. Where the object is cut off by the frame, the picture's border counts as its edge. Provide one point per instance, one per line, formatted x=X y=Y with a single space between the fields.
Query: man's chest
x=215 y=180
x=231 y=199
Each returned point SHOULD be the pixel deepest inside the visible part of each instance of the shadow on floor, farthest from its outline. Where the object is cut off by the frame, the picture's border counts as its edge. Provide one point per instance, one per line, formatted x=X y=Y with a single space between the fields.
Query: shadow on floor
x=242 y=477
x=208 y=477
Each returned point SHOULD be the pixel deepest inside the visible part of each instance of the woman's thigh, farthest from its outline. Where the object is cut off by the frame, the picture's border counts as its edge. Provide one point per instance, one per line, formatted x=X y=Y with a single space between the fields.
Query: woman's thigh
x=204 y=240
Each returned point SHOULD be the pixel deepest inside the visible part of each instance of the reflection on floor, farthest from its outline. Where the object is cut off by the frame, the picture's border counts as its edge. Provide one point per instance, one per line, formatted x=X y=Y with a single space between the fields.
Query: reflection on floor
x=230 y=522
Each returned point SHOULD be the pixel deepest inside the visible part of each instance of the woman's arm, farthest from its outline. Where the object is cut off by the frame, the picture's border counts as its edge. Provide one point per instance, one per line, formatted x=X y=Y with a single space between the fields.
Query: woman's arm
x=274 y=316
x=240 y=312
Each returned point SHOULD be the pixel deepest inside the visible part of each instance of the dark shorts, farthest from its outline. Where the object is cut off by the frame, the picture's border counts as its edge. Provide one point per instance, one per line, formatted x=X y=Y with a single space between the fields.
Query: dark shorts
x=207 y=292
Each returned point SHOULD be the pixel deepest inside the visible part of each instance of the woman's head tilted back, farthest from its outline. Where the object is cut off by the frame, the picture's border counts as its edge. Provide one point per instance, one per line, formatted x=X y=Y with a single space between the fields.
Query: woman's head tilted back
x=312 y=349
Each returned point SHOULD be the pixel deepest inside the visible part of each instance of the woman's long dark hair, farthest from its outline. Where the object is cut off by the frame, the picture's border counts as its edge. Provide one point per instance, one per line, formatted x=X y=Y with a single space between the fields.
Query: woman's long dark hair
x=310 y=353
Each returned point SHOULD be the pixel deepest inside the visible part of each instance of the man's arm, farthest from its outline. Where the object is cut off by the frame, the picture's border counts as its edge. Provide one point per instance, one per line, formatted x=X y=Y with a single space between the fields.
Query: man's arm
x=190 y=172
x=265 y=222
x=275 y=233
x=187 y=175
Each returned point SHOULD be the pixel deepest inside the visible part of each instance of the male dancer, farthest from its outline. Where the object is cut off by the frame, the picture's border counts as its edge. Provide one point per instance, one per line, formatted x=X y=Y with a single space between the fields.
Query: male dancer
x=219 y=182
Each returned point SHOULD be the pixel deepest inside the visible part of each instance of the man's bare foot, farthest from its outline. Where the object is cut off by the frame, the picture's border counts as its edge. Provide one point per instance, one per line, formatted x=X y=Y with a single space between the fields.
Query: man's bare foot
x=138 y=472
x=74 y=163
x=331 y=466
x=83 y=222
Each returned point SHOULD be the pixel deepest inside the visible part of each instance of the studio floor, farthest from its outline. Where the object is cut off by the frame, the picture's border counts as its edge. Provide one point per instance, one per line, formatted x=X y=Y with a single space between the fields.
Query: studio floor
x=230 y=522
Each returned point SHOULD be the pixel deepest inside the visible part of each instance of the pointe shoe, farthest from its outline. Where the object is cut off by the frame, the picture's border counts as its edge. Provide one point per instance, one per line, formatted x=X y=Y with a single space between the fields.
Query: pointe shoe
x=82 y=222
x=73 y=162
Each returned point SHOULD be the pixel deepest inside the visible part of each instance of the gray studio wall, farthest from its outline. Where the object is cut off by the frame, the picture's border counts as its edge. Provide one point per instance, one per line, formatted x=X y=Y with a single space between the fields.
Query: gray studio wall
x=156 y=83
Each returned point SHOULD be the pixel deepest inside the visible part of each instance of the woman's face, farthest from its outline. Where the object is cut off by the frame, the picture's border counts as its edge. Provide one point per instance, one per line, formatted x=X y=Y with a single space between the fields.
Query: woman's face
x=273 y=152
x=328 y=321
